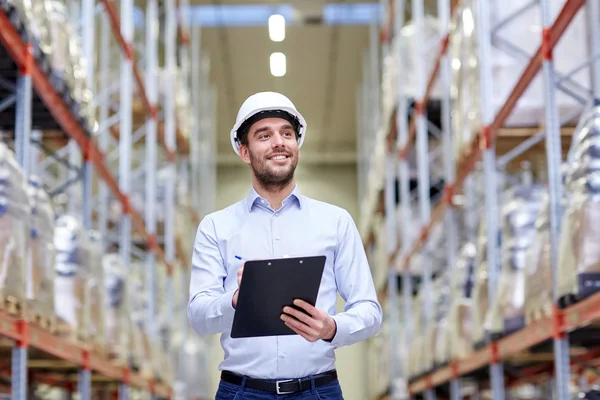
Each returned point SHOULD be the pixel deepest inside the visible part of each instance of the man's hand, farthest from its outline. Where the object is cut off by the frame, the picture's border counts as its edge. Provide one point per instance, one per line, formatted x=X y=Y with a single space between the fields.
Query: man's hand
x=239 y=281
x=317 y=325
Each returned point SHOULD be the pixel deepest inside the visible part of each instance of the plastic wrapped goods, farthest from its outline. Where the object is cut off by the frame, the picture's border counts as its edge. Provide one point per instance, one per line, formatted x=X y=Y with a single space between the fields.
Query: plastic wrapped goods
x=459 y=337
x=72 y=270
x=34 y=15
x=519 y=214
x=538 y=281
x=579 y=251
x=480 y=289
x=516 y=41
x=15 y=217
x=40 y=268
x=96 y=293
x=116 y=318
x=440 y=351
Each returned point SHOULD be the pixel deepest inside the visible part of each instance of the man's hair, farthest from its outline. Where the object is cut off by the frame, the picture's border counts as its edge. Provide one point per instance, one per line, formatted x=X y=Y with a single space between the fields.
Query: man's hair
x=242 y=132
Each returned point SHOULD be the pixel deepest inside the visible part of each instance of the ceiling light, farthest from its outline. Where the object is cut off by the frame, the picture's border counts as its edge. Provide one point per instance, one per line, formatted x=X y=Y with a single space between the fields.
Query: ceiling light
x=276 y=28
x=278 y=64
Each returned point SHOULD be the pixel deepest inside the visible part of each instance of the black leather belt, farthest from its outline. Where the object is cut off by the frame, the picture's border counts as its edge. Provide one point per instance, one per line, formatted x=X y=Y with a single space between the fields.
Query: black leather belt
x=284 y=386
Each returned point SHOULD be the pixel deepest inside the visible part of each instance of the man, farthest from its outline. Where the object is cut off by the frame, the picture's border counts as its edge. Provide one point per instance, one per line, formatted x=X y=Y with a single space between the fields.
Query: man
x=275 y=220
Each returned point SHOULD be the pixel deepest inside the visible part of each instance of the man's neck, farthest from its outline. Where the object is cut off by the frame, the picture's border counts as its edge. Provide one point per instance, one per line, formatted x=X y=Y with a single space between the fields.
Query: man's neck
x=274 y=196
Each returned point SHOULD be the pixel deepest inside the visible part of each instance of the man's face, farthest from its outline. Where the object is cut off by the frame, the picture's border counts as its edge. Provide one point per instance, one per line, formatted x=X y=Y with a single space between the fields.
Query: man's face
x=272 y=152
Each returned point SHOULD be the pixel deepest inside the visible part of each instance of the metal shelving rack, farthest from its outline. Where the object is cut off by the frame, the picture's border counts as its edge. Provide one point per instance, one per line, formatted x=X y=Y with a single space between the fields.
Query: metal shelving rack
x=100 y=164
x=393 y=144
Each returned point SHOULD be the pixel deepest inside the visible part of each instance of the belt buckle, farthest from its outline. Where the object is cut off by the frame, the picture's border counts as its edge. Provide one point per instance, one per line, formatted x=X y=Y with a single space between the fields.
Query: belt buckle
x=283 y=381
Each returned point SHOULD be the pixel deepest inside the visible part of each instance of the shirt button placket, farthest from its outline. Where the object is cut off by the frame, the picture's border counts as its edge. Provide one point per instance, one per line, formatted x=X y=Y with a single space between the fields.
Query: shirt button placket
x=276 y=236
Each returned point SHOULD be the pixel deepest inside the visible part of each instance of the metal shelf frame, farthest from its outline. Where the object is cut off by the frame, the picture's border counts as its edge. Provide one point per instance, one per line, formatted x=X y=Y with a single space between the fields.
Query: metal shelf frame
x=99 y=165
x=405 y=128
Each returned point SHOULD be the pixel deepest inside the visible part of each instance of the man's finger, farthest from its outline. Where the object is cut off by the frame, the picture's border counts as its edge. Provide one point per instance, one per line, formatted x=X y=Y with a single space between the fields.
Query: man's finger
x=299 y=325
x=304 y=305
x=299 y=315
x=305 y=335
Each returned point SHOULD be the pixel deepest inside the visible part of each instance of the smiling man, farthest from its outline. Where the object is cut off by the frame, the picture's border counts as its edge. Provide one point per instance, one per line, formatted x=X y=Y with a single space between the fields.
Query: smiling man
x=275 y=220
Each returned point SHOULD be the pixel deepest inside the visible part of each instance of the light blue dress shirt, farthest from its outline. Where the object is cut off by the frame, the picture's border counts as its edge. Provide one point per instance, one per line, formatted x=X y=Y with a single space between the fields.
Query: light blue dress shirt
x=301 y=227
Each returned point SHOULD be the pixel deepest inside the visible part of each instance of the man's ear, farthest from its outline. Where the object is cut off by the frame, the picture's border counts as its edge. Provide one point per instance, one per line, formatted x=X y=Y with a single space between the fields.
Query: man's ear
x=244 y=154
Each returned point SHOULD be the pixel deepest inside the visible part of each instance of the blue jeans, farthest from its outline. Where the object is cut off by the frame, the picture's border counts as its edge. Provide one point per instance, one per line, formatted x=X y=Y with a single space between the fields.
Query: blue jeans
x=229 y=391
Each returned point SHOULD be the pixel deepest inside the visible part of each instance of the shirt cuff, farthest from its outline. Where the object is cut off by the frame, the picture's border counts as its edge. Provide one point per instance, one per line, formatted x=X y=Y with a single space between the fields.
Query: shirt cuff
x=226 y=307
x=342 y=331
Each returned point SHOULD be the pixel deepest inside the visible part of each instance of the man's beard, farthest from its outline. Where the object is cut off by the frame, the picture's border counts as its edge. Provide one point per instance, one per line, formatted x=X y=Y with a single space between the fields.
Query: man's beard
x=267 y=178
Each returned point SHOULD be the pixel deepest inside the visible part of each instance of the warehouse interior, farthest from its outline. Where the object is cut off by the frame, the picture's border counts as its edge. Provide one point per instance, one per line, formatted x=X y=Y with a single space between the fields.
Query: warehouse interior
x=462 y=136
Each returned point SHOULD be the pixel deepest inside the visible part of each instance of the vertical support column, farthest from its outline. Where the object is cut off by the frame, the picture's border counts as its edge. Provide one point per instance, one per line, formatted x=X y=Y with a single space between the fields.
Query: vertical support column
x=399 y=376
x=196 y=125
x=23 y=154
x=489 y=165
x=125 y=113
x=449 y=161
x=422 y=149
x=553 y=155
x=593 y=13
x=89 y=53
x=23 y=114
x=103 y=112
x=152 y=40
x=88 y=28
x=170 y=135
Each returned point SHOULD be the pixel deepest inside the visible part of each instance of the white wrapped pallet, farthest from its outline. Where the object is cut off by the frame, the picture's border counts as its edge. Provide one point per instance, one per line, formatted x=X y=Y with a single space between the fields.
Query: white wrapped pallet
x=579 y=251
x=538 y=281
x=95 y=293
x=459 y=338
x=34 y=14
x=15 y=223
x=41 y=261
x=72 y=269
x=480 y=289
x=116 y=317
x=507 y=314
x=441 y=353
x=520 y=34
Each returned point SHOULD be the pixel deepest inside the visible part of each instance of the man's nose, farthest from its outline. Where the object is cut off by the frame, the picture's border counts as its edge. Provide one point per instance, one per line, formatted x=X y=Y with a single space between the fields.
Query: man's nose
x=277 y=140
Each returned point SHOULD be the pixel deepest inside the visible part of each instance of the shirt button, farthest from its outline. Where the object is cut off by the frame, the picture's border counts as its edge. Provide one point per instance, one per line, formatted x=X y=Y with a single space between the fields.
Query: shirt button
x=276 y=214
x=282 y=355
x=277 y=238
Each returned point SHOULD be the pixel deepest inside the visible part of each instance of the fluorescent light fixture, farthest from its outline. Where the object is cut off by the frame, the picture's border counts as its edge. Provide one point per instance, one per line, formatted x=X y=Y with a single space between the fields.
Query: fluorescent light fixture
x=278 y=64
x=277 y=27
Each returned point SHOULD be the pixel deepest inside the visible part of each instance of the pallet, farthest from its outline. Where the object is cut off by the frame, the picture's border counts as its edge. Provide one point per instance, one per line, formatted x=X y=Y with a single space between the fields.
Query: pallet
x=537 y=311
x=11 y=305
x=48 y=323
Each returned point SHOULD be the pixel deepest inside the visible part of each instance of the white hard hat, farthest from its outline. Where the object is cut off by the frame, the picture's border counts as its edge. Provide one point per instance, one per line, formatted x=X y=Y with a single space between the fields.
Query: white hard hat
x=262 y=103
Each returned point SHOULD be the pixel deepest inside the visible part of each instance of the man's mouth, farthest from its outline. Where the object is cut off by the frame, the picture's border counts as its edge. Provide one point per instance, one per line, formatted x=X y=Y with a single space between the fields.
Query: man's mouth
x=278 y=157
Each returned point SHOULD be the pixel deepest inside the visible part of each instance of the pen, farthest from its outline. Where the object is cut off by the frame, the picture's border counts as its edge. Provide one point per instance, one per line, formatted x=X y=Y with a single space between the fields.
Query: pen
x=238 y=257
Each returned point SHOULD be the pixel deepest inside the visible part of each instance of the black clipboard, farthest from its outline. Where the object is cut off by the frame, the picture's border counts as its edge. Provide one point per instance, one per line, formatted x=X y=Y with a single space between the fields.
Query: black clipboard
x=268 y=286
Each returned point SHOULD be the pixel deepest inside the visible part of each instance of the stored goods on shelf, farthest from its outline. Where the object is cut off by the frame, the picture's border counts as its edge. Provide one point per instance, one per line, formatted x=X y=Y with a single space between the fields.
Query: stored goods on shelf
x=72 y=270
x=439 y=350
x=579 y=251
x=513 y=45
x=480 y=288
x=116 y=325
x=518 y=215
x=41 y=262
x=96 y=293
x=459 y=339
x=15 y=225
x=35 y=16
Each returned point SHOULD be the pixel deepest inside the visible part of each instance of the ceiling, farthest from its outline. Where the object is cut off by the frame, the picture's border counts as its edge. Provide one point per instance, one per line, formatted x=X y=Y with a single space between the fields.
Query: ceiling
x=324 y=67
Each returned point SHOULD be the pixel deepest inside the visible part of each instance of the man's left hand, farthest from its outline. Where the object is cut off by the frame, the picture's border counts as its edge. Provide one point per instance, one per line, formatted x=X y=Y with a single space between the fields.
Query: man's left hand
x=317 y=325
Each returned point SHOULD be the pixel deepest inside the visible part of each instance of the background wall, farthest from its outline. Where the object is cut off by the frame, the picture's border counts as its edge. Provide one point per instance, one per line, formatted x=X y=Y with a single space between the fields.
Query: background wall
x=333 y=184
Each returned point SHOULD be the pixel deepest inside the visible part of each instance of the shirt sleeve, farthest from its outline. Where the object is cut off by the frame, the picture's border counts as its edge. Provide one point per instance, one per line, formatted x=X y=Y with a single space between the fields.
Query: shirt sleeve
x=209 y=309
x=362 y=314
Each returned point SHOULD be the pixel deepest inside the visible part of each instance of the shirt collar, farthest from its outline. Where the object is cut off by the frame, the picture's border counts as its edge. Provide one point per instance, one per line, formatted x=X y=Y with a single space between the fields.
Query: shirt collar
x=254 y=197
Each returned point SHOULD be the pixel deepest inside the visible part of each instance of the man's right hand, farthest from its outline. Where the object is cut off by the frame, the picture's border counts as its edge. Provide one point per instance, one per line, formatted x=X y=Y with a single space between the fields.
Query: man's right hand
x=239 y=281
